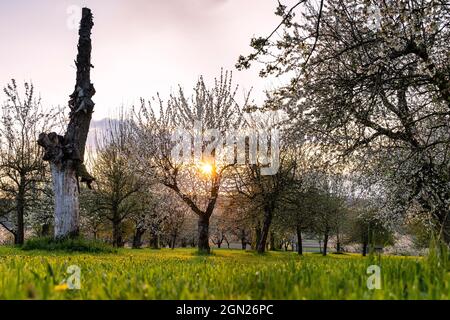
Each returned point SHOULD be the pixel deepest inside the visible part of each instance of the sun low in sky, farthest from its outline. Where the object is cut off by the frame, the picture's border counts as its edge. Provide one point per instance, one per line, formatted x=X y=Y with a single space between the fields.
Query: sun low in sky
x=206 y=169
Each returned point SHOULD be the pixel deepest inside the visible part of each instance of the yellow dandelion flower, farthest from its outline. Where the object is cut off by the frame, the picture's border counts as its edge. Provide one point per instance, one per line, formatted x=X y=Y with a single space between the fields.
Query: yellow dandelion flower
x=61 y=287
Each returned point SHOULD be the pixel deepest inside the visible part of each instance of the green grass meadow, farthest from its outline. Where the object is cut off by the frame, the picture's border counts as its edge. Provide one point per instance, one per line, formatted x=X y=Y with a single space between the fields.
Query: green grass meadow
x=226 y=274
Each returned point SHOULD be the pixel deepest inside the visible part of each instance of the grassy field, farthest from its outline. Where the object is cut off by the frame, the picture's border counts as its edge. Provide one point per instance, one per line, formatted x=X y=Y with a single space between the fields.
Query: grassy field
x=227 y=274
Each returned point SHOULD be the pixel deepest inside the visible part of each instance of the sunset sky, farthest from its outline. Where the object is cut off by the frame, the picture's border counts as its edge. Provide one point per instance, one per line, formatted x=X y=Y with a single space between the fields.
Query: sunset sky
x=140 y=47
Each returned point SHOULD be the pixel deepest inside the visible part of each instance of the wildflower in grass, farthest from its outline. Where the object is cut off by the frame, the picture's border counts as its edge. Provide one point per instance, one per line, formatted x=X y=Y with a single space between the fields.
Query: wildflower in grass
x=62 y=287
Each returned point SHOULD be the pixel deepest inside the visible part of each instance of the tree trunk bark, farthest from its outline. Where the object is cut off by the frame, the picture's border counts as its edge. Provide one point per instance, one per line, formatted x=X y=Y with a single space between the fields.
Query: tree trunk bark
x=19 y=237
x=446 y=235
x=325 y=244
x=154 y=240
x=219 y=243
x=261 y=246
x=137 y=238
x=65 y=187
x=203 y=234
x=173 y=241
x=338 y=242
x=299 y=241
x=443 y=228
x=364 y=248
x=244 y=243
x=257 y=237
x=45 y=230
x=66 y=153
x=117 y=234
x=272 y=241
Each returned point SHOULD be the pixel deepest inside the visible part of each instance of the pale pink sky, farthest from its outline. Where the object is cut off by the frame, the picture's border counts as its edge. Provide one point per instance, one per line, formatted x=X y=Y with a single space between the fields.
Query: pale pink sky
x=140 y=47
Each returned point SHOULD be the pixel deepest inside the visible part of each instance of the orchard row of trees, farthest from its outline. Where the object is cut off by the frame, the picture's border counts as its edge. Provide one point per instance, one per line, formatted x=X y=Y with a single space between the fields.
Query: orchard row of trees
x=141 y=196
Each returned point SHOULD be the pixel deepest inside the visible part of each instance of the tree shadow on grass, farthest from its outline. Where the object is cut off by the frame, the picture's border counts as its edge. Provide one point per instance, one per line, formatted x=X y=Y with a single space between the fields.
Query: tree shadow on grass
x=68 y=245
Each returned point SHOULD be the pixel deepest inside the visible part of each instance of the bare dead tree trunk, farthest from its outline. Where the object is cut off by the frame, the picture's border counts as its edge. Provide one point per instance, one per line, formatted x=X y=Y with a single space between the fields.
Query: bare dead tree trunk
x=67 y=212
x=66 y=153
